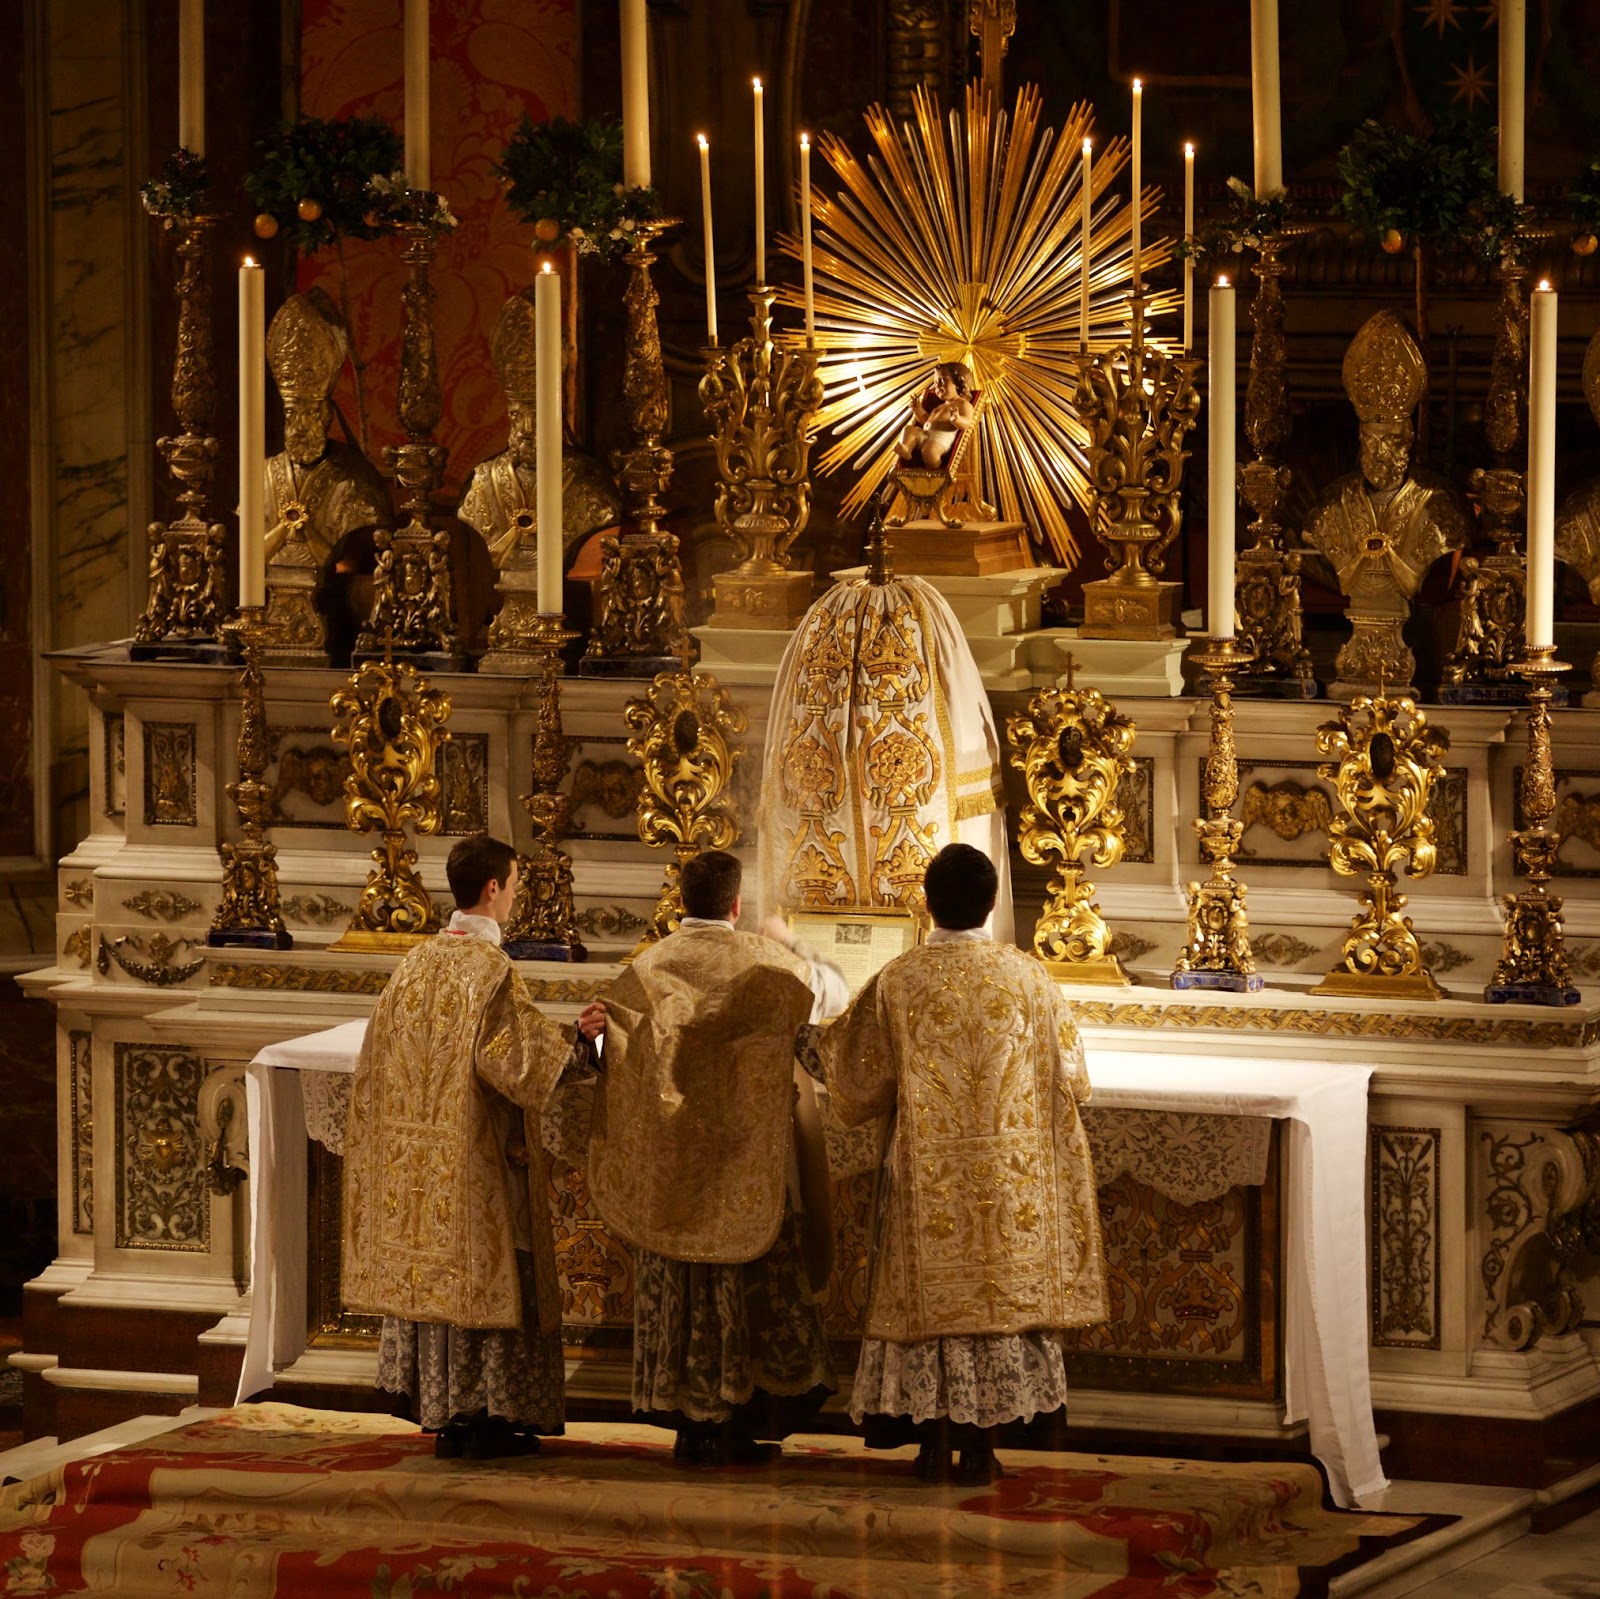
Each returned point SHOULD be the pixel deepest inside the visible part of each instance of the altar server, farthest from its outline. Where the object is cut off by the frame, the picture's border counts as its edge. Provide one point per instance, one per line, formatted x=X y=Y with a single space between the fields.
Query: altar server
x=696 y=1161
x=988 y=1239
x=446 y=1230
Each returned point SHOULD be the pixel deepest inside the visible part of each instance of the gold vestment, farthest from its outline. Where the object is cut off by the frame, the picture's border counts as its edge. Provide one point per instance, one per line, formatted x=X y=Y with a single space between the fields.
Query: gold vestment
x=991 y=1224
x=429 y=1192
x=689 y=1157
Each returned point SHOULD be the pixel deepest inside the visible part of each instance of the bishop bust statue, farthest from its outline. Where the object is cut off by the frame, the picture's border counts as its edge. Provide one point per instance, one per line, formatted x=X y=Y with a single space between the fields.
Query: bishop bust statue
x=1382 y=527
x=319 y=491
x=500 y=500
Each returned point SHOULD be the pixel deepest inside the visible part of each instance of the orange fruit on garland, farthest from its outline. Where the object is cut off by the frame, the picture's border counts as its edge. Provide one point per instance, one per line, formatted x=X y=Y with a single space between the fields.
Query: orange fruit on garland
x=1394 y=241
x=309 y=210
x=547 y=229
x=266 y=225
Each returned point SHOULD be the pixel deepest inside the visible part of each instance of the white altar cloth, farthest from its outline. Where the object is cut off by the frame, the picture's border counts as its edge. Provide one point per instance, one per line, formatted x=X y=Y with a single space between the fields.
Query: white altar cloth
x=1327 y=1380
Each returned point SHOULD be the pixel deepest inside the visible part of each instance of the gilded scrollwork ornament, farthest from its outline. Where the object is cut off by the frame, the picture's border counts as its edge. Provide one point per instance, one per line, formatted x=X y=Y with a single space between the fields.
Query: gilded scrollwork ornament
x=1387 y=757
x=1217 y=953
x=685 y=732
x=392 y=722
x=760 y=398
x=1138 y=406
x=1532 y=969
x=1073 y=748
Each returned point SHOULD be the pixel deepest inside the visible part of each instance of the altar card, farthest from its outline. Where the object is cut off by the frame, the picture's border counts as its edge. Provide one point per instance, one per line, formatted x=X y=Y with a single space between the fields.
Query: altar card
x=858 y=942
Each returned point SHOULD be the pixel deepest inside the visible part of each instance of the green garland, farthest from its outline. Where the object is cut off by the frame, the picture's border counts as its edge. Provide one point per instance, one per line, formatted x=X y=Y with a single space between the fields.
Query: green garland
x=1247 y=222
x=565 y=180
x=392 y=201
x=312 y=177
x=176 y=193
x=1584 y=199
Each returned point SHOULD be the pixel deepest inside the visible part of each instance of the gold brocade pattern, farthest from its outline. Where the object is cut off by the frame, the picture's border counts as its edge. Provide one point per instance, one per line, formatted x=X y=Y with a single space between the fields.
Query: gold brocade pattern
x=689 y=1156
x=991 y=1225
x=427 y=1236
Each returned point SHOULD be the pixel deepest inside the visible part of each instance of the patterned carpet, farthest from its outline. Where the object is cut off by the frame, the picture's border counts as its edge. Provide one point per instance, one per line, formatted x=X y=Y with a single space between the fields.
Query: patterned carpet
x=272 y=1500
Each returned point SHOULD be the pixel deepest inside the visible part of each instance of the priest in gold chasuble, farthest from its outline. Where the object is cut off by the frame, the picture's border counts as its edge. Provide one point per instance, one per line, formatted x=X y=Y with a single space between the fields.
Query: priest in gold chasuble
x=881 y=749
x=696 y=1162
x=988 y=1239
x=446 y=1230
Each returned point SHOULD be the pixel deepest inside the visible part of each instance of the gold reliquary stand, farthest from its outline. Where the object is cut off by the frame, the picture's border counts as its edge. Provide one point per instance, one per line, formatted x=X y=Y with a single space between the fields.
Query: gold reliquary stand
x=1072 y=748
x=1387 y=759
x=760 y=398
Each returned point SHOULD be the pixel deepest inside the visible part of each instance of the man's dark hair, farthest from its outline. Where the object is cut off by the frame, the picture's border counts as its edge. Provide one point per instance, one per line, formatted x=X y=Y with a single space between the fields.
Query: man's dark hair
x=472 y=863
x=960 y=885
x=710 y=884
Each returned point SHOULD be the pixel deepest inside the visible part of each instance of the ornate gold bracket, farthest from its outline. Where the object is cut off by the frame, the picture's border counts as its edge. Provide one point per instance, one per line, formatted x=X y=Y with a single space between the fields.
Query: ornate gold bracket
x=413 y=609
x=392 y=722
x=249 y=912
x=188 y=594
x=760 y=399
x=1138 y=406
x=1072 y=748
x=542 y=924
x=684 y=732
x=1388 y=757
x=1217 y=953
x=638 y=597
x=1532 y=969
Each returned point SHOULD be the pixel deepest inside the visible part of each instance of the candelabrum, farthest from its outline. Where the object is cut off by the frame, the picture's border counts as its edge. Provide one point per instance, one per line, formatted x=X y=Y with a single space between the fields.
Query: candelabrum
x=1072 y=748
x=1217 y=951
x=1266 y=576
x=542 y=924
x=188 y=592
x=1138 y=406
x=392 y=722
x=760 y=399
x=684 y=732
x=1388 y=757
x=413 y=610
x=1532 y=969
x=638 y=618
x=1490 y=638
x=249 y=912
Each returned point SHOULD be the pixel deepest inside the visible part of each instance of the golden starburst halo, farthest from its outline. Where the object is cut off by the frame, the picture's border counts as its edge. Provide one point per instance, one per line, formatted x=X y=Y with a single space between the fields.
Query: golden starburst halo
x=959 y=240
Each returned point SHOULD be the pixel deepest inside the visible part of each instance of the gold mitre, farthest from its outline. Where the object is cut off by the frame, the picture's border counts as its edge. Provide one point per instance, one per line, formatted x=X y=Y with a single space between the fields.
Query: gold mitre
x=1384 y=372
x=513 y=348
x=306 y=346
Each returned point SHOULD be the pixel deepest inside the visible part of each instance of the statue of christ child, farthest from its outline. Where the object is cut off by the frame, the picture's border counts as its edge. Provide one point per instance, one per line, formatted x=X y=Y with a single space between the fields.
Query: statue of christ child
x=939 y=413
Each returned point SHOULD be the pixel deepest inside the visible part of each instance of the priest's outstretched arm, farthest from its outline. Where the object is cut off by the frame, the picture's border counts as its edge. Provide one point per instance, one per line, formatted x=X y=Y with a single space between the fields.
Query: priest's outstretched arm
x=520 y=1052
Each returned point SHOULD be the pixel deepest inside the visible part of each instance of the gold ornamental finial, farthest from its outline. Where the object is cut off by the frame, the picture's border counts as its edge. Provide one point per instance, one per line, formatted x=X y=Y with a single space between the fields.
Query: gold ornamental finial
x=1384 y=372
x=306 y=346
x=512 y=348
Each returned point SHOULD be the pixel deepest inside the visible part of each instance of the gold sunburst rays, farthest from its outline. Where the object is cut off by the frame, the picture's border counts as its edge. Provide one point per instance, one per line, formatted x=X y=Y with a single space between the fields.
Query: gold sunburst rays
x=958 y=239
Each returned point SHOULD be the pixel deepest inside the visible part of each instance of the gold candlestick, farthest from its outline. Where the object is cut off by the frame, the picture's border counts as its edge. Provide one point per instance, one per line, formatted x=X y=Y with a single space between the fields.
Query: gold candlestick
x=542 y=924
x=684 y=732
x=392 y=721
x=760 y=399
x=188 y=593
x=1138 y=406
x=638 y=596
x=413 y=608
x=1389 y=757
x=1072 y=748
x=249 y=912
x=1217 y=953
x=1532 y=969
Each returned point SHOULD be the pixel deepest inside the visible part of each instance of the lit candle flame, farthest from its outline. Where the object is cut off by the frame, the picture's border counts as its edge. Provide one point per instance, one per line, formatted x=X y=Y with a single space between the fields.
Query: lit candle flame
x=805 y=141
x=1222 y=282
x=1544 y=285
x=1088 y=145
x=547 y=267
x=702 y=141
x=250 y=261
x=1188 y=147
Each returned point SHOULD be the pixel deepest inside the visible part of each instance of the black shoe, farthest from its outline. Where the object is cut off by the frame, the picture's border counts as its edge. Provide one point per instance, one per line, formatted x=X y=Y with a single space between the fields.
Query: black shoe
x=450 y=1441
x=979 y=1466
x=494 y=1438
x=933 y=1463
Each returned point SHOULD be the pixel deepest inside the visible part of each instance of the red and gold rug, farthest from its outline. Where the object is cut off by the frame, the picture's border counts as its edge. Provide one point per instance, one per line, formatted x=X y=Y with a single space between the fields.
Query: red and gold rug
x=271 y=1500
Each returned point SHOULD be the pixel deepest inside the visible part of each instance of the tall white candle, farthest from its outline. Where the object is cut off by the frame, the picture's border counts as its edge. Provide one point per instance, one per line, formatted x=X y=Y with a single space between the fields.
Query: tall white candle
x=711 y=258
x=418 y=133
x=805 y=236
x=1513 y=19
x=761 y=184
x=547 y=435
x=1188 y=260
x=1220 y=399
x=252 y=435
x=1264 y=99
x=1138 y=180
x=1086 y=187
x=192 y=75
x=1542 y=467
x=635 y=95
